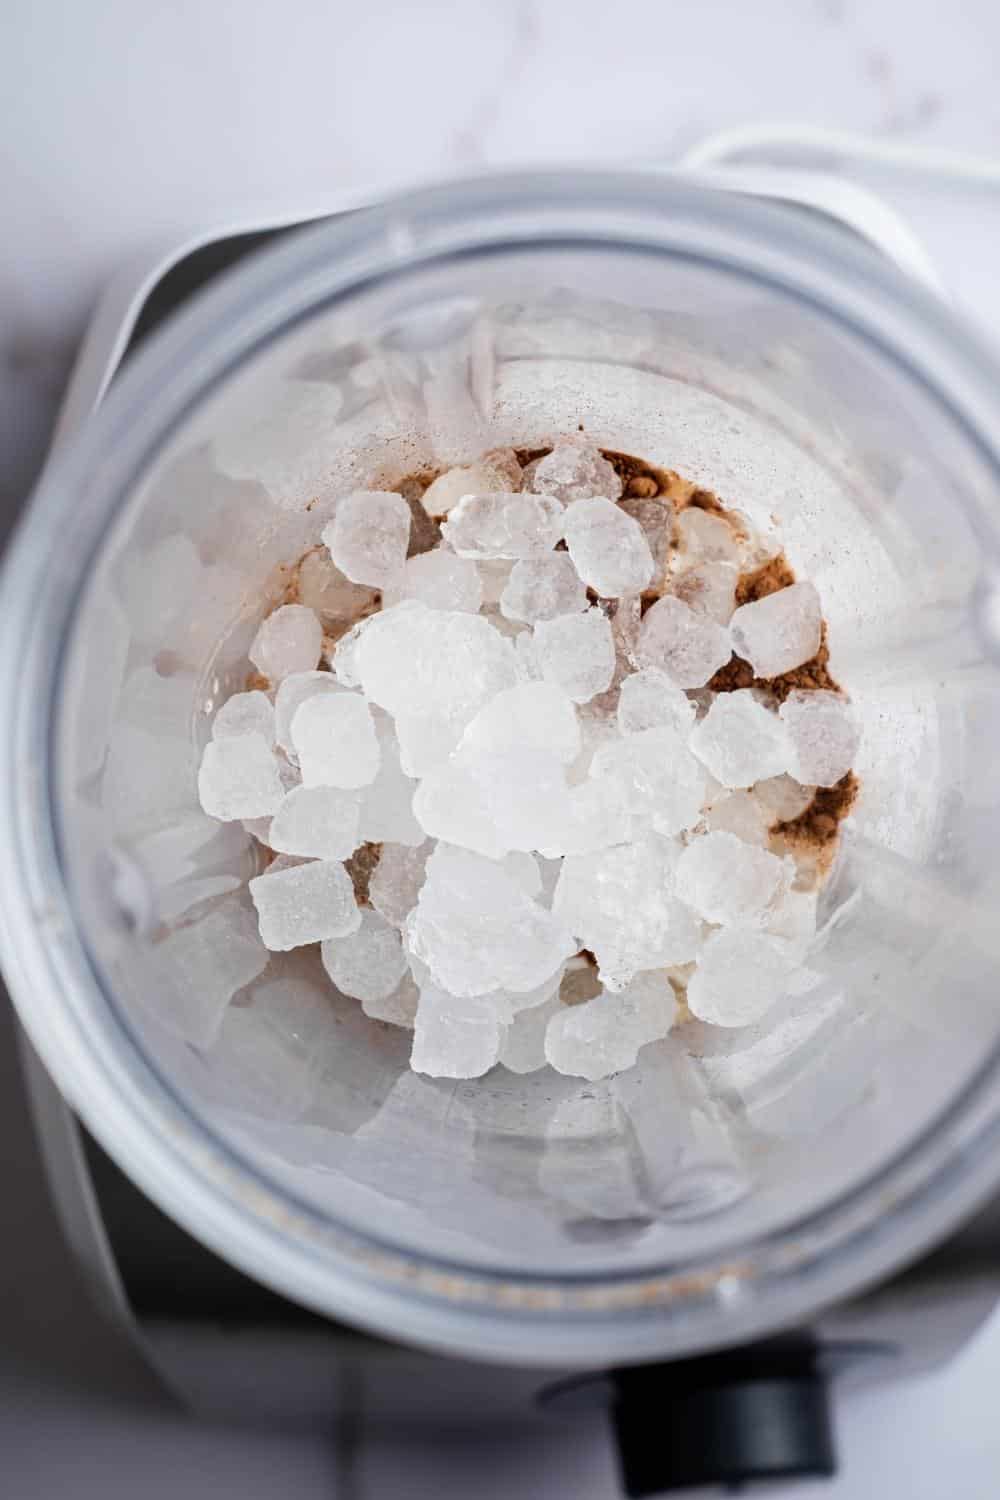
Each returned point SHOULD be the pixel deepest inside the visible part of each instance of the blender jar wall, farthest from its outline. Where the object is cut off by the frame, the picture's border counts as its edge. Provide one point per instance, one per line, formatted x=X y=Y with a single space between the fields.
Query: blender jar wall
x=704 y=362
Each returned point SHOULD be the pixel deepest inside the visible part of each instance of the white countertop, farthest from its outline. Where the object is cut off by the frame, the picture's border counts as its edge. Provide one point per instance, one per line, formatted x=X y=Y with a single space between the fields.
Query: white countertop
x=127 y=124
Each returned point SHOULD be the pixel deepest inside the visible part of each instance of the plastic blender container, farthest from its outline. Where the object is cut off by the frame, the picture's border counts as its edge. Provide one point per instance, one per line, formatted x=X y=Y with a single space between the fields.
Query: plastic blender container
x=726 y=1186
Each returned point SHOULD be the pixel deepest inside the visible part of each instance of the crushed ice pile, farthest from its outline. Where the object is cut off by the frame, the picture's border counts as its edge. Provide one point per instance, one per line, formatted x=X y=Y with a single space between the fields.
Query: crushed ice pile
x=549 y=779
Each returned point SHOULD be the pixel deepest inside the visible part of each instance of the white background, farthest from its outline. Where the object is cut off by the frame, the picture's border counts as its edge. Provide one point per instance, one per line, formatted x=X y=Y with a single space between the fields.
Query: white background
x=124 y=123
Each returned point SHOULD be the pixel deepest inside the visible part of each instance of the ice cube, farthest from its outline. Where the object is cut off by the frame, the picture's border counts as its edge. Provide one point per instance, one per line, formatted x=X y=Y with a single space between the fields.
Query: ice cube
x=239 y=778
x=305 y=903
x=258 y=828
x=453 y=485
x=289 y=640
x=477 y=931
x=335 y=741
x=621 y=905
x=322 y=587
x=369 y=535
x=245 y=713
x=454 y=1039
x=823 y=734
x=495 y=803
x=397 y=880
x=399 y=1008
x=439 y=579
x=600 y=813
x=523 y=868
x=740 y=741
x=425 y=742
x=689 y=647
x=291 y=695
x=344 y=665
x=522 y=1049
x=729 y=882
x=740 y=813
x=503 y=525
x=196 y=970
x=368 y=963
x=783 y=797
x=576 y=471
x=656 y=517
x=740 y=975
x=706 y=538
x=663 y=782
x=709 y=589
x=604 y=1035
x=608 y=548
x=578 y=652
x=780 y=632
x=387 y=804
x=531 y=716
x=650 y=699
x=318 y=822
x=543 y=588
x=415 y=660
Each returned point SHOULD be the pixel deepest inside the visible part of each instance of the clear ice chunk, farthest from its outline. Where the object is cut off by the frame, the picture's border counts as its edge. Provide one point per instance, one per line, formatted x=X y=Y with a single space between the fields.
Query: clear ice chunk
x=621 y=904
x=397 y=880
x=322 y=587
x=576 y=471
x=823 y=734
x=477 y=931
x=316 y=822
x=780 y=632
x=335 y=741
x=706 y=538
x=740 y=975
x=742 y=814
x=729 y=882
x=245 y=713
x=291 y=694
x=305 y=903
x=289 y=640
x=783 y=797
x=415 y=660
x=576 y=651
x=368 y=536
x=656 y=517
x=439 y=579
x=688 y=646
x=740 y=741
x=608 y=548
x=649 y=699
x=444 y=493
x=709 y=589
x=426 y=742
x=523 y=868
x=503 y=525
x=239 y=778
x=452 y=1038
x=531 y=716
x=604 y=1035
x=664 y=783
x=370 y=962
x=543 y=588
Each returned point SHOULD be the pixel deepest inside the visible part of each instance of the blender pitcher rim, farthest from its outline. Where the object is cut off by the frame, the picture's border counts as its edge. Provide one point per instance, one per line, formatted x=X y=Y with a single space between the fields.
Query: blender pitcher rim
x=273 y=270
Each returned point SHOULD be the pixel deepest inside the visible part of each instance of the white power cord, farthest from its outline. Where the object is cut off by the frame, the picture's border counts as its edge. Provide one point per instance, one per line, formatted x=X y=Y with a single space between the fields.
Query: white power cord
x=721 y=148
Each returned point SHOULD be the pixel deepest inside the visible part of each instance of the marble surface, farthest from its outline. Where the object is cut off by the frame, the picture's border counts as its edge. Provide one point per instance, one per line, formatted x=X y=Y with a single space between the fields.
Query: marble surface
x=127 y=125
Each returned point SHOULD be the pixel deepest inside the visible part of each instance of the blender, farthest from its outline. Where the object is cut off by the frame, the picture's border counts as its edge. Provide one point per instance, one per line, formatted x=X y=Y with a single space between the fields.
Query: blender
x=533 y=1220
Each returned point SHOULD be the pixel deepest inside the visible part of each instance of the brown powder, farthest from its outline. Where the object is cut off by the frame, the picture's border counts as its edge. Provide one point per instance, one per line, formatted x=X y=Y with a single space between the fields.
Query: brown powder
x=775 y=574
x=361 y=868
x=256 y=682
x=818 y=824
x=736 y=674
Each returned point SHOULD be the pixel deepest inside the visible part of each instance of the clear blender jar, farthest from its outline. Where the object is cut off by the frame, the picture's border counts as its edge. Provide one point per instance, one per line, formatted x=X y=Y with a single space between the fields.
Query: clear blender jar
x=723 y=1188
